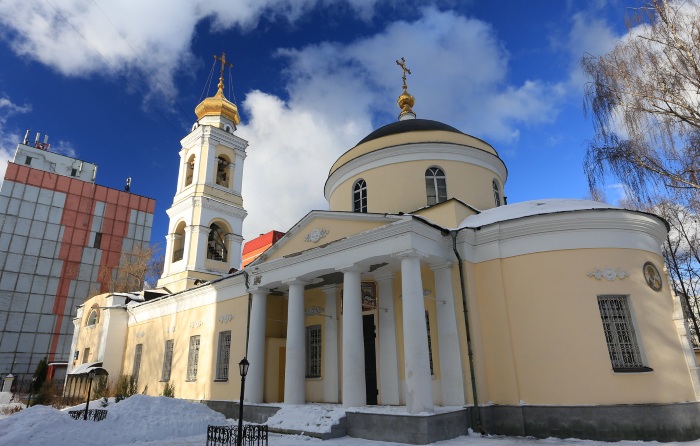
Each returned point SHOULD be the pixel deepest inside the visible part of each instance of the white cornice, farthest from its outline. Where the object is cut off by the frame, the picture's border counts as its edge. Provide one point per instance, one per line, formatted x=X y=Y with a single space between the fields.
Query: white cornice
x=211 y=204
x=416 y=152
x=217 y=135
x=610 y=228
x=220 y=291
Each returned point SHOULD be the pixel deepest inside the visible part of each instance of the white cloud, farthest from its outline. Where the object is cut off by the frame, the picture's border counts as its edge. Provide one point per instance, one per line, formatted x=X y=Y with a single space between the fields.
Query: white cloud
x=339 y=93
x=8 y=138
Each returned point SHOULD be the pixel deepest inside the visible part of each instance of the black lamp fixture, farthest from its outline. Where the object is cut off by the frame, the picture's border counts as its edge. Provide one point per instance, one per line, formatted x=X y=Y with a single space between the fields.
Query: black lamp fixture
x=243 y=368
x=91 y=376
x=31 y=388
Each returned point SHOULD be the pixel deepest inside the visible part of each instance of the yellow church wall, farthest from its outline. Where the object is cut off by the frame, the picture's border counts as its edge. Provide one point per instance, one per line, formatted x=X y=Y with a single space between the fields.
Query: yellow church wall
x=339 y=229
x=206 y=321
x=89 y=336
x=411 y=138
x=555 y=348
x=448 y=214
x=400 y=187
x=274 y=370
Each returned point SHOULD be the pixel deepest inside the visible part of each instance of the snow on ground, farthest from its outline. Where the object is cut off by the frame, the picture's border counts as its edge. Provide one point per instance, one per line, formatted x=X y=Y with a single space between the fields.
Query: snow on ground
x=160 y=421
x=306 y=417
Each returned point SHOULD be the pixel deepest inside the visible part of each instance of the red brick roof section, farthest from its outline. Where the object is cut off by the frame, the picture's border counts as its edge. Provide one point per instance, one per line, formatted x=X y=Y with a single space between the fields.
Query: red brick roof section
x=263 y=240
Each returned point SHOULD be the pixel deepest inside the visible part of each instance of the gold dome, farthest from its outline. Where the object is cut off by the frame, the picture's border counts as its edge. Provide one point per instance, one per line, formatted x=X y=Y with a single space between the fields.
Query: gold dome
x=406 y=102
x=218 y=105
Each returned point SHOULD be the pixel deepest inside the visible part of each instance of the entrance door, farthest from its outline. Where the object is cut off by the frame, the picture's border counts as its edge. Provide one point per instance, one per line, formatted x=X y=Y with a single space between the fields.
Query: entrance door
x=369 y=334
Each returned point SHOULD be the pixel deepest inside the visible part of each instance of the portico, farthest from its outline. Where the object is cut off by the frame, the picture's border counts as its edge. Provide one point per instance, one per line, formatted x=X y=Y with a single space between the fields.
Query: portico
x=371 y=285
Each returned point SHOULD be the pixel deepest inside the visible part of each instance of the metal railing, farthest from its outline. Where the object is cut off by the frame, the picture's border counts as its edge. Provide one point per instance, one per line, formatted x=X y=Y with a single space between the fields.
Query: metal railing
x=253 y=435
x=92 y=414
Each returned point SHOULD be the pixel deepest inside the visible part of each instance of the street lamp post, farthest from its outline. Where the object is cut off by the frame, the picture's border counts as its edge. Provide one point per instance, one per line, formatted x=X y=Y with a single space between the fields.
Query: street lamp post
x=243 y=368
x=31 y=387
x=91 y=376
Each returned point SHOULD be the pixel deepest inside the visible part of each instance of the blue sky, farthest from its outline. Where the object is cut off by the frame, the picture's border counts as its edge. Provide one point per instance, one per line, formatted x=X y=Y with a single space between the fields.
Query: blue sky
x=116 y=83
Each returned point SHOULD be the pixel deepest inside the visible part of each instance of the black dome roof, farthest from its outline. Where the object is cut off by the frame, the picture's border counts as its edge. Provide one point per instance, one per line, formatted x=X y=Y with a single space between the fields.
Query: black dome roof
x=408 y=125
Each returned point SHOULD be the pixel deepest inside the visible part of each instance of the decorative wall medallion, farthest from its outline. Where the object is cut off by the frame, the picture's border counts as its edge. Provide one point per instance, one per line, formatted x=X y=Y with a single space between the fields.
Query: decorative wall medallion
x=652 y=276
x=608 y=273
x=170 y=329
x=140 y=334
x=224 y=318
x=313 y=311
x=316 y=235
x=257 y=280
x=196 y=324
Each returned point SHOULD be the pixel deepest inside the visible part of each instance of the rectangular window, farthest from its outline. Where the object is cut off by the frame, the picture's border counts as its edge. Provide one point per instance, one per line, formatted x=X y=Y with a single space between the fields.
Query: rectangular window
x=98 y=240
x=619 y=334
x=28 y=161
x=86 y=355
x=313 y=351
x=222 y=360
x=193 y=359
x=74 y=172
x=430 y=343
x=137 y=361
x=167 y=360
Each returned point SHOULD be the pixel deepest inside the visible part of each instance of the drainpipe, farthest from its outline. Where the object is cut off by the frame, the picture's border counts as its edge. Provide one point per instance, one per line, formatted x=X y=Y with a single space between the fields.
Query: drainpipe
x=470 y=351
x=250 y=300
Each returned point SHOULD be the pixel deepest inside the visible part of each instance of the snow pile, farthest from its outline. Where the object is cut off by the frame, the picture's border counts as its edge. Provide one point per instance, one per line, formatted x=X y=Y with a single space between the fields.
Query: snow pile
x=316 y=418
x=136 y=419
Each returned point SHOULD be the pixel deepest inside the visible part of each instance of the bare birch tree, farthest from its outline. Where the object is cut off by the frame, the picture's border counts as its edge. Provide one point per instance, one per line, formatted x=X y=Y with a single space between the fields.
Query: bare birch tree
x=644 y=99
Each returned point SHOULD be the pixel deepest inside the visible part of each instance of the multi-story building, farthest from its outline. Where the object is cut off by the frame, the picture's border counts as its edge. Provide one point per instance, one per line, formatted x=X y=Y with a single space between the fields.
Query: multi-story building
x=62 y=238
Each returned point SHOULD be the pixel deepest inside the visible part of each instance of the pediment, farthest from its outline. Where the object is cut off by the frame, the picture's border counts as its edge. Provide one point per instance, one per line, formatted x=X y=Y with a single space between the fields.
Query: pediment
x=319 y=228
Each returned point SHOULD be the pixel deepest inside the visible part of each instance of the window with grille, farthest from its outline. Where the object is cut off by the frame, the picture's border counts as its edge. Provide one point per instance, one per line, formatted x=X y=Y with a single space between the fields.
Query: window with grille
x=496 y=193
x=193 y=358
x=619 y=334
x=222 y=361
x=359 y=196
x=137 y=361
x=435 y=186
x=313 y=351
x=167 y=360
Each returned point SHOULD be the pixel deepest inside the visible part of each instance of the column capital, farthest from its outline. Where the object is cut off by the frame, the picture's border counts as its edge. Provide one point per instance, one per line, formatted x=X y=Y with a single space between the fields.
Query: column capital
x=295 y=281
x=354 y=268
x=410 y=254
x=258 y=290
x=197 y=228
x=441 y=265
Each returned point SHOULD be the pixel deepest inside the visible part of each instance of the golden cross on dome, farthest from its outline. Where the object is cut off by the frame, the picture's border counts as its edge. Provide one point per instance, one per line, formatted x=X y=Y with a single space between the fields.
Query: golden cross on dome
x=402 y=64
x=224 y=63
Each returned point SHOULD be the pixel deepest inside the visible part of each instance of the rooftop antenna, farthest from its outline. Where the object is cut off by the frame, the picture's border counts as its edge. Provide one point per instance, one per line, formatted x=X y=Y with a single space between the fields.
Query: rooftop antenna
x=26 y=137
x=128 y=184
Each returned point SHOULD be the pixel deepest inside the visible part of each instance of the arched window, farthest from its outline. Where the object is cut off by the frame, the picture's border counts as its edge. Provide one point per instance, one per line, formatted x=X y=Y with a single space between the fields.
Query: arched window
x=93 y=317
x=222 y=171
x=496 y=193
x=359 y=196
x=216 y=245
x=435 y=186
x=179 y=242
x=189 y=171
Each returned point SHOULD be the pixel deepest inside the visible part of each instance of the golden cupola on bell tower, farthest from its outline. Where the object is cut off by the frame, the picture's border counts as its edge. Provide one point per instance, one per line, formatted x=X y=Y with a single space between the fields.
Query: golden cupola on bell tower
x=206 y=217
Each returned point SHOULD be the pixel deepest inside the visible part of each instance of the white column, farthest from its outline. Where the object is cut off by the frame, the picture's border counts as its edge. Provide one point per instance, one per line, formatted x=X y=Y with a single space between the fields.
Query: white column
x=295 y=361
x=169 y=243
x=354 y=387
x=231 y=172
x=210 y=162
x=182 y=172
x=233 y=244
x=200 y=236
x=256 y=347
x=419 y=392
x=330 y=347
x=238 y=173
x=186 y=245
x=388 y=362
x=451 y=382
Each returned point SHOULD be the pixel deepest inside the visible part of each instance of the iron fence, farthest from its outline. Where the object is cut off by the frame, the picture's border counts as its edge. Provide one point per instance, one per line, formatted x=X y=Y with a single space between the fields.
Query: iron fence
x=253 y=435
x=92 y=414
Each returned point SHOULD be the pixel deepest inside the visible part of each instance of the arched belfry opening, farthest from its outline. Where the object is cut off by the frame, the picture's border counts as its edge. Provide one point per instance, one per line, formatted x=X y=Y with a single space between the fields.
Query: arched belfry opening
x=216 y=244
x=223 y=165
x=178 y=242
x=189 y=171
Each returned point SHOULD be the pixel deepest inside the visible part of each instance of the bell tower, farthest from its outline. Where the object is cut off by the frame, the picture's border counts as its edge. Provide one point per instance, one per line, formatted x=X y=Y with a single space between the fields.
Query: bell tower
x=206 y=217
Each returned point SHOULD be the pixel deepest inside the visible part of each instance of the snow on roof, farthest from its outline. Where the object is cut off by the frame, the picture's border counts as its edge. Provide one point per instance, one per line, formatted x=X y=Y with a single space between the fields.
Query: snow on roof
x=529 y=209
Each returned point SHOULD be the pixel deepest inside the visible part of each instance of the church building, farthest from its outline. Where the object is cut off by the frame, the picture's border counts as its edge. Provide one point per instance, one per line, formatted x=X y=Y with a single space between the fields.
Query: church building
x=419 y=288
